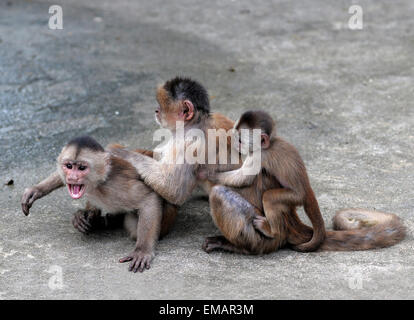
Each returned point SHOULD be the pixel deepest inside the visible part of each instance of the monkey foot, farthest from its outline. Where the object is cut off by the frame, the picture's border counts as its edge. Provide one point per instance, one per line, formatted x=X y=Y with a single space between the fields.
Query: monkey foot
x=261 y=224
x=140 y=260
x=213 y=243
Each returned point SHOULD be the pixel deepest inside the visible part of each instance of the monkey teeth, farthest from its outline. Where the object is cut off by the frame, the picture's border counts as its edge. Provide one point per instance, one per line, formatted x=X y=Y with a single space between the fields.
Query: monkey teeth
x=76 y=190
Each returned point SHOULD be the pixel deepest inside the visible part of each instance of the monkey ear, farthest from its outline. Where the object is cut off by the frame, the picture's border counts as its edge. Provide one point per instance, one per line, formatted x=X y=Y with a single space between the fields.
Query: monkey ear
x=188 y=110
x=264 y=140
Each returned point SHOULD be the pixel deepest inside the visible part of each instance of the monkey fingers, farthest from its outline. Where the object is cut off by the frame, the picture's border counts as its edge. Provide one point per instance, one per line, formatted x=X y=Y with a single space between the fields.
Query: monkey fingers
x=80 y=221
x=140 y=260
x=30 y=195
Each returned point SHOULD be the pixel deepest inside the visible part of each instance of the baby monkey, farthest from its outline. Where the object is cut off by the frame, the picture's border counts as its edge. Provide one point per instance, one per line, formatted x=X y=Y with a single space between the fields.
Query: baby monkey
x=110 y=184
x=281 y=184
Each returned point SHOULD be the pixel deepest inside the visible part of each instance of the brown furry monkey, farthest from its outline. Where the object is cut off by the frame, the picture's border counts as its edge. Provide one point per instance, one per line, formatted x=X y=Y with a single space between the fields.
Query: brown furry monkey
x=281 y=167
x=185 y=100
x=110 y=184
x=257 y=213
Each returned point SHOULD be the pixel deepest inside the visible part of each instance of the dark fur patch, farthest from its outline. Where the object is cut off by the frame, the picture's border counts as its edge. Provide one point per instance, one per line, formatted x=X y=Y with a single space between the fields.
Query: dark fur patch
x=186 y=88
x=85 y=142
x=258 y=119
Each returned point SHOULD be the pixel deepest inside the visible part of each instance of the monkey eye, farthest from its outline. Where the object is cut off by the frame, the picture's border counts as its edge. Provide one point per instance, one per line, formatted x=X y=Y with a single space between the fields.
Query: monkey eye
x=68 y=165
x=81 y=168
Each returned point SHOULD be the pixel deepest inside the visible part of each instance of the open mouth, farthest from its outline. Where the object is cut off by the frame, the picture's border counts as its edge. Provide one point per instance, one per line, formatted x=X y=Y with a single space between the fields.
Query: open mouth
x=76 y=191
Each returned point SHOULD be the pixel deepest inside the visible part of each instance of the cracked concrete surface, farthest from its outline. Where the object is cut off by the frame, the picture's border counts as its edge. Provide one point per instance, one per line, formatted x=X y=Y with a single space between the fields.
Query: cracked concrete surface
x=343 y=97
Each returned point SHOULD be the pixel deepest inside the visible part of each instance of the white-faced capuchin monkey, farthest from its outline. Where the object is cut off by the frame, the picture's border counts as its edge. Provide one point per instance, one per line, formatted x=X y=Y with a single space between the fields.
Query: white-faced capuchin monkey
x=184 y=100
x=110 y=184
x=257 y=213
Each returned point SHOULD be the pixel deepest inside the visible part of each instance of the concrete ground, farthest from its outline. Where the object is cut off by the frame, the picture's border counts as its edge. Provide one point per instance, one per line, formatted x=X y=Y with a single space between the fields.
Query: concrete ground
x=343 y=97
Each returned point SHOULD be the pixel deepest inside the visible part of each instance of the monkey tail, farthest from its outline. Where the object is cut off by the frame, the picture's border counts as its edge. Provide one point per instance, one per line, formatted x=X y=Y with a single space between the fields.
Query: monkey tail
x=360 y=229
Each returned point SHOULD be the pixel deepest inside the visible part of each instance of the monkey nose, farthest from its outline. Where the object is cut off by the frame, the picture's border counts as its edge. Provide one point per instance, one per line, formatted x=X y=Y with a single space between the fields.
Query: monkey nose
x=73 y=180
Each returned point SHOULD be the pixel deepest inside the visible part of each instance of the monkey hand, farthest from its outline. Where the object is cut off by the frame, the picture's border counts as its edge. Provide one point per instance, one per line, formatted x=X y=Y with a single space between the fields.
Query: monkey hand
x=140 y=260
x=82 y=221
x=30 y=195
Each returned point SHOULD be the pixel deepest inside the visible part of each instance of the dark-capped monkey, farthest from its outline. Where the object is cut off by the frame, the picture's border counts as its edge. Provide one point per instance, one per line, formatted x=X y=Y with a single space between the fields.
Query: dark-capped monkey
x=257 y=213
x=181 y=100
x=110 y=184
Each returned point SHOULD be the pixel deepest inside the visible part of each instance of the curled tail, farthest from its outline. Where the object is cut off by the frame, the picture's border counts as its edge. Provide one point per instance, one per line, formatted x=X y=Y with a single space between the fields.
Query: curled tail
x=360 y=229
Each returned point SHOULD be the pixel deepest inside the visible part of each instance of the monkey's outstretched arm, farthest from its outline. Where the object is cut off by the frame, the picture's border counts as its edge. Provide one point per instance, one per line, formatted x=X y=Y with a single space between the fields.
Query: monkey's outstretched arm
x=235 y=178
x=120 y=150
x=30 y=195
x=148 y=153
x=173 y=182
x=238 y=178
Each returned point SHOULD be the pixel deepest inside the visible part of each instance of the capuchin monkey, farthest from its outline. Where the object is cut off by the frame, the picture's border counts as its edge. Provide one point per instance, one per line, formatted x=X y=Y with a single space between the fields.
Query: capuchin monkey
x=110 y=184
x=257 y=213
x=182 y=100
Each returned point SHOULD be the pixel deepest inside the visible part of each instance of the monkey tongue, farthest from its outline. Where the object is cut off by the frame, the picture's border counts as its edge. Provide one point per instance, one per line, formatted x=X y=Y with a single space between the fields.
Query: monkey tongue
x=76 y=190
